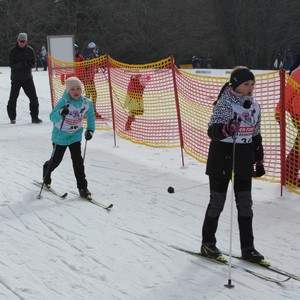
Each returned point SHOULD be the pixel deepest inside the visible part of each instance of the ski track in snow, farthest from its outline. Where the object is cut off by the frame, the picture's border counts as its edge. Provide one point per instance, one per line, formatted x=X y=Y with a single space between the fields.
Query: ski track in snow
x=54 y=248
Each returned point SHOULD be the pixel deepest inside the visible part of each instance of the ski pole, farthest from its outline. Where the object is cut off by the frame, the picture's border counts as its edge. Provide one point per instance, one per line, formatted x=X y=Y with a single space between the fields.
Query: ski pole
x=84 y=151
x=39 y=196
x=229 y=284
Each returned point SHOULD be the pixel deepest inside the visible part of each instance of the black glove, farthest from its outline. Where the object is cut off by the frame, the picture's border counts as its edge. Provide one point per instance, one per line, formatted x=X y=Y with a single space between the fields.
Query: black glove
x=65 y=110
x=231 y=128
x=259 y=169
x=88 y=134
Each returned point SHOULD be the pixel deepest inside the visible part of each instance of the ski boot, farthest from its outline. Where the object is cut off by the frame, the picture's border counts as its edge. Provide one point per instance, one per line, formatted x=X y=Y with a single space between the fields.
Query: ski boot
x=85 y=193
x=252 y=255
x=212 y=252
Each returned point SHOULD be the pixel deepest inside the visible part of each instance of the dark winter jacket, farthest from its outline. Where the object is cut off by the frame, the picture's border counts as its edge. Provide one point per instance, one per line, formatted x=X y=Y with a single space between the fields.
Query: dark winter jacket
x=248 y=148
x=296 y=64
x=21 y=61
x=90 y=54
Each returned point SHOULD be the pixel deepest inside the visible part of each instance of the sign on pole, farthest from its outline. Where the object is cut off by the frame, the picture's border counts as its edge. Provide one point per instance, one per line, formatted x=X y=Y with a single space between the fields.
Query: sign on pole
x=61 y=47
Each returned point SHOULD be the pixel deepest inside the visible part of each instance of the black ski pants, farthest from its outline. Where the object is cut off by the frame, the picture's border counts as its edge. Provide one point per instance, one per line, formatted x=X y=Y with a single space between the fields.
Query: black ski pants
x=78 y=166
x=218 y=191
x=29 y=90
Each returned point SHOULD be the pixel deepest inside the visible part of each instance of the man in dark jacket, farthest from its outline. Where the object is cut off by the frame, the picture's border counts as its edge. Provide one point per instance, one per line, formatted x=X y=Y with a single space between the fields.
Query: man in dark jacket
x=21 y=61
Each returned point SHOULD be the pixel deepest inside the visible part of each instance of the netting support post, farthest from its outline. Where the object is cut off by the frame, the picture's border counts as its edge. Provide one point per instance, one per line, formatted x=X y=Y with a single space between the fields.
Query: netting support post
x=50 y=76
x=282 y=130
x=173 y=66
x=111 y=97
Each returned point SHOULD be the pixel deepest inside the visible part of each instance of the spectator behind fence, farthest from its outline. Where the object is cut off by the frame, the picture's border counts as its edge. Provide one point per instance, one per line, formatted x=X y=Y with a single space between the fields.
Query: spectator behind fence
x=234 y=124
x=292 y=106
x=295 y=64
x=196 y=62
x=134 y=98
x=21 y=61
x=78 y=56
x=88 y=76
x=43 y=56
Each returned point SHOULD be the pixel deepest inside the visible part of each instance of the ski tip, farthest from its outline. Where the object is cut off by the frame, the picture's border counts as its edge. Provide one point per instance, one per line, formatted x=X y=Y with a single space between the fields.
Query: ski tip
x=264 y=263
x=64 y=195
x=222 y=259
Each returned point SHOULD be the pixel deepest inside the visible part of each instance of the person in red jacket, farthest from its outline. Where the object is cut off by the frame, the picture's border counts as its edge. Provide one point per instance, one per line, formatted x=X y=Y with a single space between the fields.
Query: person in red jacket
x=78 y=56
x=88 y=75
x=292 y=106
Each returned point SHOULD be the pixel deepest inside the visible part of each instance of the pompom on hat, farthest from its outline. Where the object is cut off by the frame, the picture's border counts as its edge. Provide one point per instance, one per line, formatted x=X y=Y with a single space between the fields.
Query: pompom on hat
x=73 y=82
x=22 y=36
x=240 y=76
x=91 y=45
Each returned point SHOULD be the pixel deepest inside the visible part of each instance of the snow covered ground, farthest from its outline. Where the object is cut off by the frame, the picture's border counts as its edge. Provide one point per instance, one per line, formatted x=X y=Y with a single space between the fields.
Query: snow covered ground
x=55 y=248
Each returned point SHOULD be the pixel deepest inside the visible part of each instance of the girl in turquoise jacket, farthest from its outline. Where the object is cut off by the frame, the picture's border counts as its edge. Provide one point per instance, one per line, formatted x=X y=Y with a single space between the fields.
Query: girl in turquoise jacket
x=67 y=117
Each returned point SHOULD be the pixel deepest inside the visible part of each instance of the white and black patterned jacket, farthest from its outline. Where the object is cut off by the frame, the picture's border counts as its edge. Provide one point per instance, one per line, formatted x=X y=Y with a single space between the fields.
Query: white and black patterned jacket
x=249 y=147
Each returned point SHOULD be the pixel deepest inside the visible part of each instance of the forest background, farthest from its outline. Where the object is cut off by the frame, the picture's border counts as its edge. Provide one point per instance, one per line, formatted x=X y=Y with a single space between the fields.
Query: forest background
x=224 y=32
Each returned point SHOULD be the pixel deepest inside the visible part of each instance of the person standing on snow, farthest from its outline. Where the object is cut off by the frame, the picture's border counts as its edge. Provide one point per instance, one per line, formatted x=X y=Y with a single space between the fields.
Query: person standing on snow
x=43 y=56
x=134 y=101
x=88 y=76
x=296 y=64
x=196 y=62
x=21 y=60
x=67 y=131
x=78 y=56
x=236 y=119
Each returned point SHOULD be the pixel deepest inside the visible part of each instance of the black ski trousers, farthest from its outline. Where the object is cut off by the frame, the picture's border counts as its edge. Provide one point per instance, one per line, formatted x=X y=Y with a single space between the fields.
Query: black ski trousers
x=29 y=90
x=78 y=166
x=243 y=198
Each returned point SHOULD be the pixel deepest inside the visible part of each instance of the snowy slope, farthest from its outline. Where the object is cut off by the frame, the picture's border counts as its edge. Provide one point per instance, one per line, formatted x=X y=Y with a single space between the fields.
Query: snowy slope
x=55 y=248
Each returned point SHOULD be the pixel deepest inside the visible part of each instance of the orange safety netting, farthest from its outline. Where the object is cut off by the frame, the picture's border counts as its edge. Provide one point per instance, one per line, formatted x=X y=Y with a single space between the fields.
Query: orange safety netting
x=144 y=103
x=158 y=105
x=93 y=74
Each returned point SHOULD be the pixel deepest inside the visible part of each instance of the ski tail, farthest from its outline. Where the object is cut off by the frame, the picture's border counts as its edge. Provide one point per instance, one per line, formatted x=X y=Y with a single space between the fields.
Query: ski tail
x=51 y=190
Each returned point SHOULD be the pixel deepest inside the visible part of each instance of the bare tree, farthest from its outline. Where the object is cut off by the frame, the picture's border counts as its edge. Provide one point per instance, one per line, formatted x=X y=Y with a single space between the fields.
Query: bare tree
x=229 y=32
x=254 y=30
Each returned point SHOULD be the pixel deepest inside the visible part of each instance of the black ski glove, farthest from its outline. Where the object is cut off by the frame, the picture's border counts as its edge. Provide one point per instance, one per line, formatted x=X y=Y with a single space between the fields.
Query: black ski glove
x=88 y=134
x=65 y=110
x=259 y=169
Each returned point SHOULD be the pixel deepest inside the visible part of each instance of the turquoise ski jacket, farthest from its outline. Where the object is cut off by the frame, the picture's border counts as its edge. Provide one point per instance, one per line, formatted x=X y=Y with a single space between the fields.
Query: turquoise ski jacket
x=71 y=130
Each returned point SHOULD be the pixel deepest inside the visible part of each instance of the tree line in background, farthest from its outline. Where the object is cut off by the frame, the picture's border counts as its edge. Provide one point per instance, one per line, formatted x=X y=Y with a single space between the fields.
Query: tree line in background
x=226 y=32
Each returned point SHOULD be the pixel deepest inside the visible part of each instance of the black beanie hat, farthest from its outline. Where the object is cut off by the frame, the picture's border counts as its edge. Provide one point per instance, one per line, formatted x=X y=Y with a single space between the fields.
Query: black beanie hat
x=240 y=76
